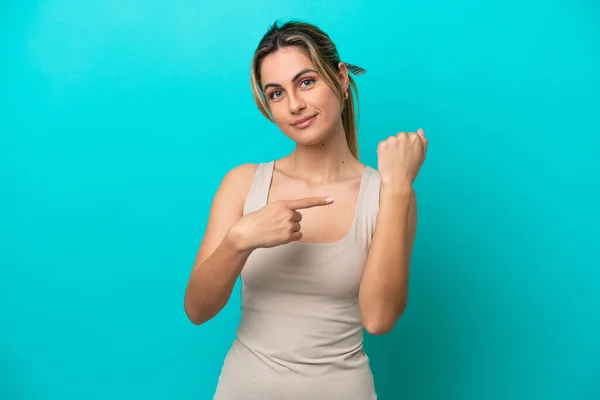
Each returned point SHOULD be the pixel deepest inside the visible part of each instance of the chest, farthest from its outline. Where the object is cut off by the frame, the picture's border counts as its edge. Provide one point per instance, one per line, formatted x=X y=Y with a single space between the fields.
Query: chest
x=323 y=224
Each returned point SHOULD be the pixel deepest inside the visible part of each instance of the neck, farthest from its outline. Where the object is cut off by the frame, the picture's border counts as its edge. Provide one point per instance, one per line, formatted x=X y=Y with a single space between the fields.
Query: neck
x=328 y=161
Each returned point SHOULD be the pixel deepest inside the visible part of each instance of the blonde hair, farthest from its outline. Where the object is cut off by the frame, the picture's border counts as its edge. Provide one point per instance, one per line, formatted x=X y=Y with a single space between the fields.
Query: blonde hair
x=317 y=45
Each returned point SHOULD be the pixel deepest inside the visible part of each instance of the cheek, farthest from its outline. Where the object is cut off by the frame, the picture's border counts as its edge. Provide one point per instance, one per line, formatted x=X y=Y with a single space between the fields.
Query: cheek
x=279 y=114
x=281 y=117
x=331 y=107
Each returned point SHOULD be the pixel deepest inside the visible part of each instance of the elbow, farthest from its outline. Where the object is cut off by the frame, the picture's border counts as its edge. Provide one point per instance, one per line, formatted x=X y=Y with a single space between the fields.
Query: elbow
x=383 y=322
x=194 y=317
x=198 y=314
x=195 y=320
x=379 y=327
x=200 y=309
x=378 y=330
x=193 y=312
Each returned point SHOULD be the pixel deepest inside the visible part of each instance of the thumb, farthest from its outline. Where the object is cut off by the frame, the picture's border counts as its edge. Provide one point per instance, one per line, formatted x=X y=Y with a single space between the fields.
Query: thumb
x=423 y=138
x=308 y=202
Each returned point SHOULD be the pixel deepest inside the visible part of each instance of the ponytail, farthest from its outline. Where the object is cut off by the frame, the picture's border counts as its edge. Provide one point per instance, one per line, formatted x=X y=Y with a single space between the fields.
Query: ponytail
x=350 y=118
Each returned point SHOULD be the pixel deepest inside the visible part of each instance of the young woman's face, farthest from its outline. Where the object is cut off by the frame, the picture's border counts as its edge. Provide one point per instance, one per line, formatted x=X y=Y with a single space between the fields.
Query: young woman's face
x=302 y=104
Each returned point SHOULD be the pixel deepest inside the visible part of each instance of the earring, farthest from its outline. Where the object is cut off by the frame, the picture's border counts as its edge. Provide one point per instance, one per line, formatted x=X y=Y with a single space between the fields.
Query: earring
x=345 y=95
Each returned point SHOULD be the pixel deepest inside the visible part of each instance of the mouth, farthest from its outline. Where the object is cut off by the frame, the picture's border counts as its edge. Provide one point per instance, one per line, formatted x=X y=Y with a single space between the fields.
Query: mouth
x=304 y=122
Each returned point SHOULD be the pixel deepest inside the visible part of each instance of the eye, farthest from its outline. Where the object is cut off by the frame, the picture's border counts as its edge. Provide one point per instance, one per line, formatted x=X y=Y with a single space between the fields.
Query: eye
x=275 y=94
x=307 y=82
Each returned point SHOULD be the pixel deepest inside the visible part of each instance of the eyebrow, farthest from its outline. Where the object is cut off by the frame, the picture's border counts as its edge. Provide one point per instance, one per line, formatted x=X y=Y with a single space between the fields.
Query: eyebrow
x=298 y=75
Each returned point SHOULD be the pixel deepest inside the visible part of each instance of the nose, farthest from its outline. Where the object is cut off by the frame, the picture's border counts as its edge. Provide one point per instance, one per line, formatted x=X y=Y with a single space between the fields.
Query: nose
x=295 y=103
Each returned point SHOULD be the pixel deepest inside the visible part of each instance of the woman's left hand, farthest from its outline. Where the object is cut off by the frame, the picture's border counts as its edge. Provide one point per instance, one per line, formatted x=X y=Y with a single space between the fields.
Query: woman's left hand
x=400 y=158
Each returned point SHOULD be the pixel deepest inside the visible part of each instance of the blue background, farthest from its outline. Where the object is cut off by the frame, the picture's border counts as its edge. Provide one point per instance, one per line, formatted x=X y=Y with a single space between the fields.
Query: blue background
x=118 y=120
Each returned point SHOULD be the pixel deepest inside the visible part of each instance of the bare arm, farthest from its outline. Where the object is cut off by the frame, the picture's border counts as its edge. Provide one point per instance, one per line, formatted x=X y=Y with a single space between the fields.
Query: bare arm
x=384 y=288
x=220 y=259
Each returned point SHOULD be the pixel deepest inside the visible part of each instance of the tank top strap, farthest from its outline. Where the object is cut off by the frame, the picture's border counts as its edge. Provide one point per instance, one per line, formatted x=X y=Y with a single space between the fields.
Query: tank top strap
x=368 y=206
x=259 y=189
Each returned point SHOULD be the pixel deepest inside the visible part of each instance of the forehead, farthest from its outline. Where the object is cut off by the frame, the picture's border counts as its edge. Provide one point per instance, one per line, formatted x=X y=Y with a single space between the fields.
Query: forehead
x=281 y=66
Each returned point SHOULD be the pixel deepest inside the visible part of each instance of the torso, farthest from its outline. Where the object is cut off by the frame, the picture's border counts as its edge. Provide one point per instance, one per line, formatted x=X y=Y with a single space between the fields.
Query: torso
x=300 y=335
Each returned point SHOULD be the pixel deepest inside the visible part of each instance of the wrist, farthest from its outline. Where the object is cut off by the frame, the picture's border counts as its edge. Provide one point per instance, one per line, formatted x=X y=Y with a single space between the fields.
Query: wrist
x=236 y=240
x=396 y=189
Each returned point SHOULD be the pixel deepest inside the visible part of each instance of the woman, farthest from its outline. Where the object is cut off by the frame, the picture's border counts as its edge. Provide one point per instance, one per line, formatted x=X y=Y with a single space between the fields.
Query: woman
x=321 y=241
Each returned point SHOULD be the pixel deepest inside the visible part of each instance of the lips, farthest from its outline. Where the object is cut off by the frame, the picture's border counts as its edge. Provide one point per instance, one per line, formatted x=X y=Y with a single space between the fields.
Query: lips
x=304 y=122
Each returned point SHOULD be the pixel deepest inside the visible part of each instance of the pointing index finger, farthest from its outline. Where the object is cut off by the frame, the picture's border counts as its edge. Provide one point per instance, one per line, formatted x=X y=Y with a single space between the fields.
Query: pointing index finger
x=309 y=202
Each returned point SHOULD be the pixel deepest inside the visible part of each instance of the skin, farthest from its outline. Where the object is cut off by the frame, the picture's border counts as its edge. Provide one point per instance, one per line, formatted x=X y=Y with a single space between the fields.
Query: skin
x=321 y=166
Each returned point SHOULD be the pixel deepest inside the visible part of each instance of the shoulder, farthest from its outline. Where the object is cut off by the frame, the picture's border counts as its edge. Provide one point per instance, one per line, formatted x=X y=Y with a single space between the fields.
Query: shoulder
x=236 y=182
x=373 y=182
x=374 y=173
x=241 y=174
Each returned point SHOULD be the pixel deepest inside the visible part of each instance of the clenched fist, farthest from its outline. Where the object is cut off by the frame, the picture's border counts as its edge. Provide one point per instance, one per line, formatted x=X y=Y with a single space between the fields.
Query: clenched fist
x=400 y=158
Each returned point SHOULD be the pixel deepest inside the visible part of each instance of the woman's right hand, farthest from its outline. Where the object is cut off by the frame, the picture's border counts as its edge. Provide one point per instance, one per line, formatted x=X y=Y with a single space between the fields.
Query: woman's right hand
x=274 y=224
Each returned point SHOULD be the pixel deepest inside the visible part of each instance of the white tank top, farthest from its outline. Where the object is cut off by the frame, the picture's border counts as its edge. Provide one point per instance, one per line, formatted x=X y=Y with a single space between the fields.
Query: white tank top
x=301 y=336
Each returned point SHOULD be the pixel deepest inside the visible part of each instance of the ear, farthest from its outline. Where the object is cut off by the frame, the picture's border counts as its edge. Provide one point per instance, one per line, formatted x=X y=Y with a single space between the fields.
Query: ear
x=343 y=75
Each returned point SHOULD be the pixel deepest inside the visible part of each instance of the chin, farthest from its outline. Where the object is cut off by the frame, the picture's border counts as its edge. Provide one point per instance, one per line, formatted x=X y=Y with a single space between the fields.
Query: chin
x=310 y=136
